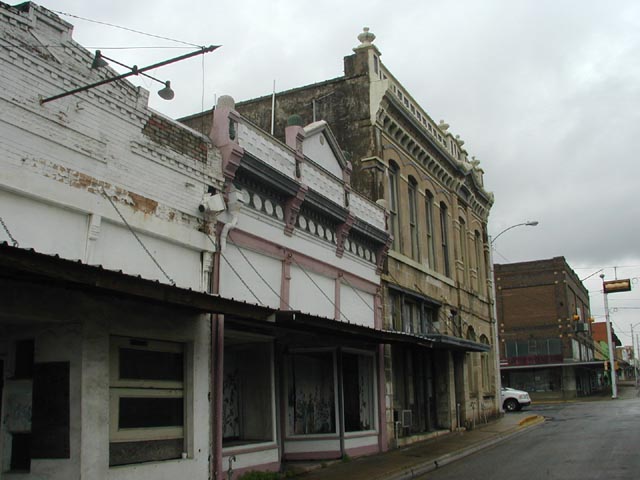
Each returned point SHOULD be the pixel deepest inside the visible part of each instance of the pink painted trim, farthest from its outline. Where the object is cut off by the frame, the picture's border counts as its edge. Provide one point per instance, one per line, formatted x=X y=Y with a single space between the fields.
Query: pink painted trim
x=361 y=451
x=285 y=284
x=382 y=404
x=342 y=232
x=368 y=433
x=231 y=152
x=309 y=438
x=245 y=239
x=377 y=309
x=239 y=450
x=292 y=208
x=265 y=467
x=336 y=295
x=312 y=455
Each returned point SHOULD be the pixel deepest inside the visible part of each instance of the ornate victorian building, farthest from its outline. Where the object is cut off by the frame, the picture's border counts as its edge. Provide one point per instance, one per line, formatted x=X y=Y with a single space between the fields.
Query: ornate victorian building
x=437 y=288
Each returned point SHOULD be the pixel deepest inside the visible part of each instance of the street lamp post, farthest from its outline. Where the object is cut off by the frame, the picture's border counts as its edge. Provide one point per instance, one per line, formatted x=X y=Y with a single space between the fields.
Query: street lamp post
x=612 y=371
x=634 y=344
x=494 y=308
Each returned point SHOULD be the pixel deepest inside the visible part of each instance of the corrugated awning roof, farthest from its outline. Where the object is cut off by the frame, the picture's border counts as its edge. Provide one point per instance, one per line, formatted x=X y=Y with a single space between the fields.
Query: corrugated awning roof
x=29 y=265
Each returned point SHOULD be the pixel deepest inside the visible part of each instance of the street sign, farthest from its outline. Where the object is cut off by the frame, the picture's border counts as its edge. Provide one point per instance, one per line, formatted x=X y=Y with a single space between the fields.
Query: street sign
x=613 y=286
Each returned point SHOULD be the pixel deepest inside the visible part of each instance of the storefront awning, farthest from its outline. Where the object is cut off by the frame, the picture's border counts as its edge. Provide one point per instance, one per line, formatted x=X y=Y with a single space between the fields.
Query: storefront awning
x=28 y=266
x=591 y=364
x=326 y=326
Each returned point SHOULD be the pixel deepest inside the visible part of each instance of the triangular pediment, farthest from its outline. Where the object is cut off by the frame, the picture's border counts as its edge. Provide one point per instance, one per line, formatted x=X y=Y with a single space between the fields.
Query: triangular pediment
x=321 y=147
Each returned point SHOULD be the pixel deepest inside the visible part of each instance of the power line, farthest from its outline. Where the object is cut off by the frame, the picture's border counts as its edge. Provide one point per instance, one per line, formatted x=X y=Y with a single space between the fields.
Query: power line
x=259 y=274
x=137 y=237
x=14 y=242
x=319 y=288
x=235 y=271
x=125 y=28
x=141 y=47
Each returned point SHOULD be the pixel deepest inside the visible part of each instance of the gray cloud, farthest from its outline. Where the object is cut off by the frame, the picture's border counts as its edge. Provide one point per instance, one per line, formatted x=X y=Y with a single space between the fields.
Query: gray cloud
x=544 y=93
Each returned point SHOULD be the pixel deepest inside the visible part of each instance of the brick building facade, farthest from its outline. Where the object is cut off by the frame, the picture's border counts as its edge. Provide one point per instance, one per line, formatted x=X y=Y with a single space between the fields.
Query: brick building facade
x=544 y=317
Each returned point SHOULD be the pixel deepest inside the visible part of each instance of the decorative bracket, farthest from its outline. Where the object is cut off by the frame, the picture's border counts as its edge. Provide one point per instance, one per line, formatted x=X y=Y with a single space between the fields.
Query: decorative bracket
x=381 y=254
x=342 y=232
x=292 y=208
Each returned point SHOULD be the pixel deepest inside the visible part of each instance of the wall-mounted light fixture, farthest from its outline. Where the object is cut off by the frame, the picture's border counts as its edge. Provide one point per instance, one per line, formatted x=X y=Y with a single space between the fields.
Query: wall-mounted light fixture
x=100 y=62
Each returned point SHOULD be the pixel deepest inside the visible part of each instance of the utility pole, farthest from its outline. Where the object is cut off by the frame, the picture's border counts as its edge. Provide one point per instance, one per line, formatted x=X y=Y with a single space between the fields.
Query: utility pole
x=612 y=370
x=633 y=357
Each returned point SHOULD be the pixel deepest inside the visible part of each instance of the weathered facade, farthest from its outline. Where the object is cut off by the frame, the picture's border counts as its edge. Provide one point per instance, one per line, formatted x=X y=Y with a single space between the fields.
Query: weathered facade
x=301 y=242
x=102 y=366
x=546 y=343
x=436 y=280
x=175 y=304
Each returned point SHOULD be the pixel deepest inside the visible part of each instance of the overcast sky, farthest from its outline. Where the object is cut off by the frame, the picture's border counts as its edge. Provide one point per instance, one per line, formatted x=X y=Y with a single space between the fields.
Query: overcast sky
x=545 y=93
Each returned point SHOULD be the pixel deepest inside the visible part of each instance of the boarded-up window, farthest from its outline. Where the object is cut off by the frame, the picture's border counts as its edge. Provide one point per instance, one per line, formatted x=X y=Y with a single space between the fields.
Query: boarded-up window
x=50 y=415
x=147 y=401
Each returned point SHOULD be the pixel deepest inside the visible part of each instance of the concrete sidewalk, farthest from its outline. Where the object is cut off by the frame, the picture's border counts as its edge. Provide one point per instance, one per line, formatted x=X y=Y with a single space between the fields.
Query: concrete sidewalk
x=419 y=458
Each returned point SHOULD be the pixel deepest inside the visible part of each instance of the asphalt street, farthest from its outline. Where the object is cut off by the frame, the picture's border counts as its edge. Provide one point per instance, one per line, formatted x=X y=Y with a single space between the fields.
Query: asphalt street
x=579 y=441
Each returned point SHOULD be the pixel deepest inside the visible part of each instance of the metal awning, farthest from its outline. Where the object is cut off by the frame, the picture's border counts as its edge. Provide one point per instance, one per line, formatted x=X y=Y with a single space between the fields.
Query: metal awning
x=593 y=363
x=22 y=265
x=327 y=326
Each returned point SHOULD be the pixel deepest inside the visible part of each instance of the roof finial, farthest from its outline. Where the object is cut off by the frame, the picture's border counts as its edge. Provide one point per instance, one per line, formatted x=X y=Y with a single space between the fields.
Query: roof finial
x=366 y=37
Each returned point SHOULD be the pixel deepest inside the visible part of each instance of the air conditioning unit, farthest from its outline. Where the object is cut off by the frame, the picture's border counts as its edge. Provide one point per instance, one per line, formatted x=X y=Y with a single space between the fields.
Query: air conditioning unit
x=407 y=418
x=582 y=327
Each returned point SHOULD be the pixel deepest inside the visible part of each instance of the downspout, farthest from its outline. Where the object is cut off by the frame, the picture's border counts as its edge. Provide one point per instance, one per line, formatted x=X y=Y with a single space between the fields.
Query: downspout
x=218 y=362
x=217 y=345
x=340 y=403
x=382 y=404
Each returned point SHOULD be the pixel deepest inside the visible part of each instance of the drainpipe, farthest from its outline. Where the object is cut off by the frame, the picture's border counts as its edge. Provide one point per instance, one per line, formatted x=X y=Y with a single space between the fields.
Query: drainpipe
x=340 y=403
x=217 y=358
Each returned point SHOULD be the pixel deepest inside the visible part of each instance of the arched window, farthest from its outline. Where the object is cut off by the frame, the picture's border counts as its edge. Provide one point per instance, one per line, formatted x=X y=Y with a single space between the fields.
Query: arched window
x=444 y=239
x=394 y=214
x=413 y=218
x=472 y=363
x=480 y=282
x=431 y=251
x=462 y=251
x=486 y=368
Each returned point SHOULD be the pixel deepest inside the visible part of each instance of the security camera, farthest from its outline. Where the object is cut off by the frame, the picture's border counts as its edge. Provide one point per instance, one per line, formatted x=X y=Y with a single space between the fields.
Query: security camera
x=212 y=203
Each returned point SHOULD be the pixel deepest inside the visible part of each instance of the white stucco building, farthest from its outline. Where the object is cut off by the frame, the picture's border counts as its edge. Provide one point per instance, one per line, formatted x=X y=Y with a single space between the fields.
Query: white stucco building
x=172 y=304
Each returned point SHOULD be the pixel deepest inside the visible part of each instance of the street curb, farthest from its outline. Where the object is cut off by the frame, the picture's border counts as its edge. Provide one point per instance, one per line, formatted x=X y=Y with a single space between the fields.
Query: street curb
x=431 y=465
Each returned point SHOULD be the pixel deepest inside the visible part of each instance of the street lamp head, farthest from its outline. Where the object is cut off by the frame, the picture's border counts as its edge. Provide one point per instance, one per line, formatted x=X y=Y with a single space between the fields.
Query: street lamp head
x=529 y=223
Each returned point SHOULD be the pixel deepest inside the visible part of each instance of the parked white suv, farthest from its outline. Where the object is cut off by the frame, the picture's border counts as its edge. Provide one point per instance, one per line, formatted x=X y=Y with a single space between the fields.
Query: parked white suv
x=513 y=399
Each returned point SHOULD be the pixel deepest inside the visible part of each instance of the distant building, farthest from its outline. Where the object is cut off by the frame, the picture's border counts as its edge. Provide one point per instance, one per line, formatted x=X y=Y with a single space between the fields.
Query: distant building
x=546 y=343
x=599 y=335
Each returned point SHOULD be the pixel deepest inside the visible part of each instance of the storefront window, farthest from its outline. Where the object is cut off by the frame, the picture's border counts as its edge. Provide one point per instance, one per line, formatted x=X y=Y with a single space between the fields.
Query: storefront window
x=247 y=397
x=311 y=394
x=357 y=377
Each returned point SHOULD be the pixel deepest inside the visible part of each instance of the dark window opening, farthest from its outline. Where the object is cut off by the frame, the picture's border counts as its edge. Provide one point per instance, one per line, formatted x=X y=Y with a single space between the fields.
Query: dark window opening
x=150 y=412
x=24 y=359
x=138 y=364
x=20 y=452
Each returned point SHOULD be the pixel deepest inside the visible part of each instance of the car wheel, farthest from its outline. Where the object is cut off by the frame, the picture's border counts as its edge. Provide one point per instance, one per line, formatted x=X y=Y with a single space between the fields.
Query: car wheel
x=510 y=405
